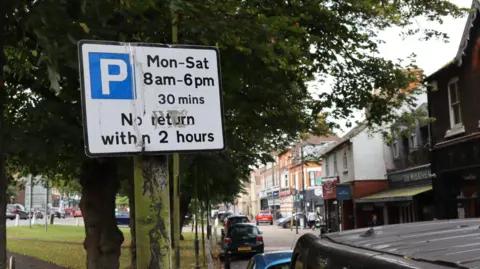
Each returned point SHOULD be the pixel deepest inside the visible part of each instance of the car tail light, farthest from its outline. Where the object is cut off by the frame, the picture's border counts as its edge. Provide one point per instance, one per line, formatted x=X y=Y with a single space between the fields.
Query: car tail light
x=228 y=240
x=249 y=220
x=259 y=240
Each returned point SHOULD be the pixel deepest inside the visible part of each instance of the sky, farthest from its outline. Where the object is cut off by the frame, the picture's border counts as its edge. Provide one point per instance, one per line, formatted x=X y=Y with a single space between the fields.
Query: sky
x=431 y=55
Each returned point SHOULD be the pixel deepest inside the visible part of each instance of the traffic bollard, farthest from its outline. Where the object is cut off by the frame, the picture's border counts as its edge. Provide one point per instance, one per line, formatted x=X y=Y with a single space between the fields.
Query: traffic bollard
x=77 y=222
x=52 y=217
x=34 y=219
x=17 y=220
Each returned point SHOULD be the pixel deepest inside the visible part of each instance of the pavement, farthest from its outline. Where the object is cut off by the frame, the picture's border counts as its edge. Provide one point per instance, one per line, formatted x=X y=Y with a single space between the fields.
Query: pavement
x=25 y=262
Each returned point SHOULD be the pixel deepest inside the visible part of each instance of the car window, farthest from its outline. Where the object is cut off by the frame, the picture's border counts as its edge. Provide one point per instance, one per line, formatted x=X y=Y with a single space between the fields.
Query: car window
x=238 y=220
x=298 y=263
x=251 y=265
x=244 y=231
x=280 y=266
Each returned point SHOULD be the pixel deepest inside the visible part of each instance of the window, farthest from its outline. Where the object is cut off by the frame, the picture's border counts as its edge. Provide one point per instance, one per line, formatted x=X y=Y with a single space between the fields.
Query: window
x=251 y=265
x=335 y=168
x=312 y=178
x=454 y=99
x=345 y=160
x=275 y=180
x=413 y=142
x=327 y=168
x=285 y=178
x=395 y=149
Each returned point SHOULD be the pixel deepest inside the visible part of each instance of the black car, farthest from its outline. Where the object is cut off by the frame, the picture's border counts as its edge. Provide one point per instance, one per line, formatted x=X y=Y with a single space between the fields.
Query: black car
x=232 y=220
x=421 y=245
x=243 y=238
x=14 y=209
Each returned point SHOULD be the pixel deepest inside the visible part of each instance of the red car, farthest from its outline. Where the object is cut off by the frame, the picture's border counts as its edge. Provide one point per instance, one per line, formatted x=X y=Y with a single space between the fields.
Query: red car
x=264 y=217
x=77 y=214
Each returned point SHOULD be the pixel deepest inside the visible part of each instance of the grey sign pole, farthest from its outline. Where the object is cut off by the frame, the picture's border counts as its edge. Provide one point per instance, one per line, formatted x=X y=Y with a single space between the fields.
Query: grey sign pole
x=46 y=206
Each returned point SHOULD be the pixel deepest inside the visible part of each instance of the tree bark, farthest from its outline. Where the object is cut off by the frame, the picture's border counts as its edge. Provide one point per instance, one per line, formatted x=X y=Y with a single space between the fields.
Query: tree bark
x=131 y=202
x=103 y=240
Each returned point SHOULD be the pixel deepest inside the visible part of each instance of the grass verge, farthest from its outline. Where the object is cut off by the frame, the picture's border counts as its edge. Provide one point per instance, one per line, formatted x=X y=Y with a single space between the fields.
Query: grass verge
x=70 y=253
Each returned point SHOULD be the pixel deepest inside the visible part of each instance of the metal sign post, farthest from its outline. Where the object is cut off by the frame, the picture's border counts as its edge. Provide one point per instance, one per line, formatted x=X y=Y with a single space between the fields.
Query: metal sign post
x=150 y=100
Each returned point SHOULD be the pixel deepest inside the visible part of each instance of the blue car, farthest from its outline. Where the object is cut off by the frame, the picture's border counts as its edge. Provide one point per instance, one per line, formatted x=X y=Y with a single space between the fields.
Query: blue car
x=123 y=218
x=272 y=260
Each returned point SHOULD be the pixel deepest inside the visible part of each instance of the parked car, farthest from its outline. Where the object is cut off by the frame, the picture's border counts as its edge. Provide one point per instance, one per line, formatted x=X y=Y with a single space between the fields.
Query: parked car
x=272 y=260
x=439 y=244
x=123 y=217
x=16 y=209
x=232 y=220
x=37 y=213
x=225 y=216
x=77 y=213
x=264 y=217
x=243 y=238
x=57 y=212
x=286 y=222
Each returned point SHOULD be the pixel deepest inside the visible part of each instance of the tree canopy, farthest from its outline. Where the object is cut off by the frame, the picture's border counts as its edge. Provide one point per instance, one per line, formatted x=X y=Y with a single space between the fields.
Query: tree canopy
x=269 y=51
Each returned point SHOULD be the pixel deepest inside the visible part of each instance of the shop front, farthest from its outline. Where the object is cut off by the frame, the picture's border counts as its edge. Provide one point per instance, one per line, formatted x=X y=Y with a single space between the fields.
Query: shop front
x=345 y=204
x=286 y=202
x=314 y=199
x=456 y=166
x=274 y=202
x=409 y=198
x=332 y=207
x=263 y=200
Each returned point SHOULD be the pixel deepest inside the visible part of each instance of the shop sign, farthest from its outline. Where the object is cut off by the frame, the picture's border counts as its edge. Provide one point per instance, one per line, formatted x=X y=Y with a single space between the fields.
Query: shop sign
x=329 y=188
x=284 y=193
x=343 y=192
x=275 y=193
x=410 y=176
x=318 y=192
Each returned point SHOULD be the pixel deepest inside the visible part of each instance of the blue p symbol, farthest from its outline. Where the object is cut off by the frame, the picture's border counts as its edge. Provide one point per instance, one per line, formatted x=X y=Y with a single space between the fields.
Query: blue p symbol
x=111 y=76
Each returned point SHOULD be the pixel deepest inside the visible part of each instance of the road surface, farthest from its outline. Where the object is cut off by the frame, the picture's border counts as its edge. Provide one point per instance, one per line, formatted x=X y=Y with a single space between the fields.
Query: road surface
x=275 y=239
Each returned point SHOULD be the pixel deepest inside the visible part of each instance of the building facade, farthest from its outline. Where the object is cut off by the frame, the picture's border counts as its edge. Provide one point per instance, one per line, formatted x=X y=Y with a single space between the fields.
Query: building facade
x=354 y=167
x=455 y=136
x=293 y=181
x=409 y=197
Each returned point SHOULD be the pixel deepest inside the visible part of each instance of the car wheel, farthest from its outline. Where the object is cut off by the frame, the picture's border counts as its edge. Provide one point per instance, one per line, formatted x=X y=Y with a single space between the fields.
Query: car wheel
x=258 y=223
x=271 y=222
x=12 y=218
x=286 y=225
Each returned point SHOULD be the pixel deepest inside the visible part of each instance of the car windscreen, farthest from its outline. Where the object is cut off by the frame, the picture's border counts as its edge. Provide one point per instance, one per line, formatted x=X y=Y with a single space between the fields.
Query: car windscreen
x=280 y=266
x=10 y=207
x=242 y=231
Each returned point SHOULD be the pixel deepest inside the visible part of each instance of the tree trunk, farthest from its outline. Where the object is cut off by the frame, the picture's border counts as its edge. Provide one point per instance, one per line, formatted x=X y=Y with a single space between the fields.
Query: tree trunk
x=184 y=205
x=131 y=202
x=3 y=178
x=103 y=239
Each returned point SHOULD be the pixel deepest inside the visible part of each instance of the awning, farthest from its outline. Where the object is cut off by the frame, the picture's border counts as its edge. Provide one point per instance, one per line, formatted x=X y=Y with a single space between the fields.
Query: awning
x=401 y=194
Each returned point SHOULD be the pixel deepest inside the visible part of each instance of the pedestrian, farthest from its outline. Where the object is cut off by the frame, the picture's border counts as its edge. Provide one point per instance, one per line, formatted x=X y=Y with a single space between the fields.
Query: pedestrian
x=375 y=221
x=312 y=217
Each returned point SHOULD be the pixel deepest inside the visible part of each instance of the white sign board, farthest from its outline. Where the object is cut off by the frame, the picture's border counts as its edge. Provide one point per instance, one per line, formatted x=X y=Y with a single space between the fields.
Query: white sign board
x=145 y=98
